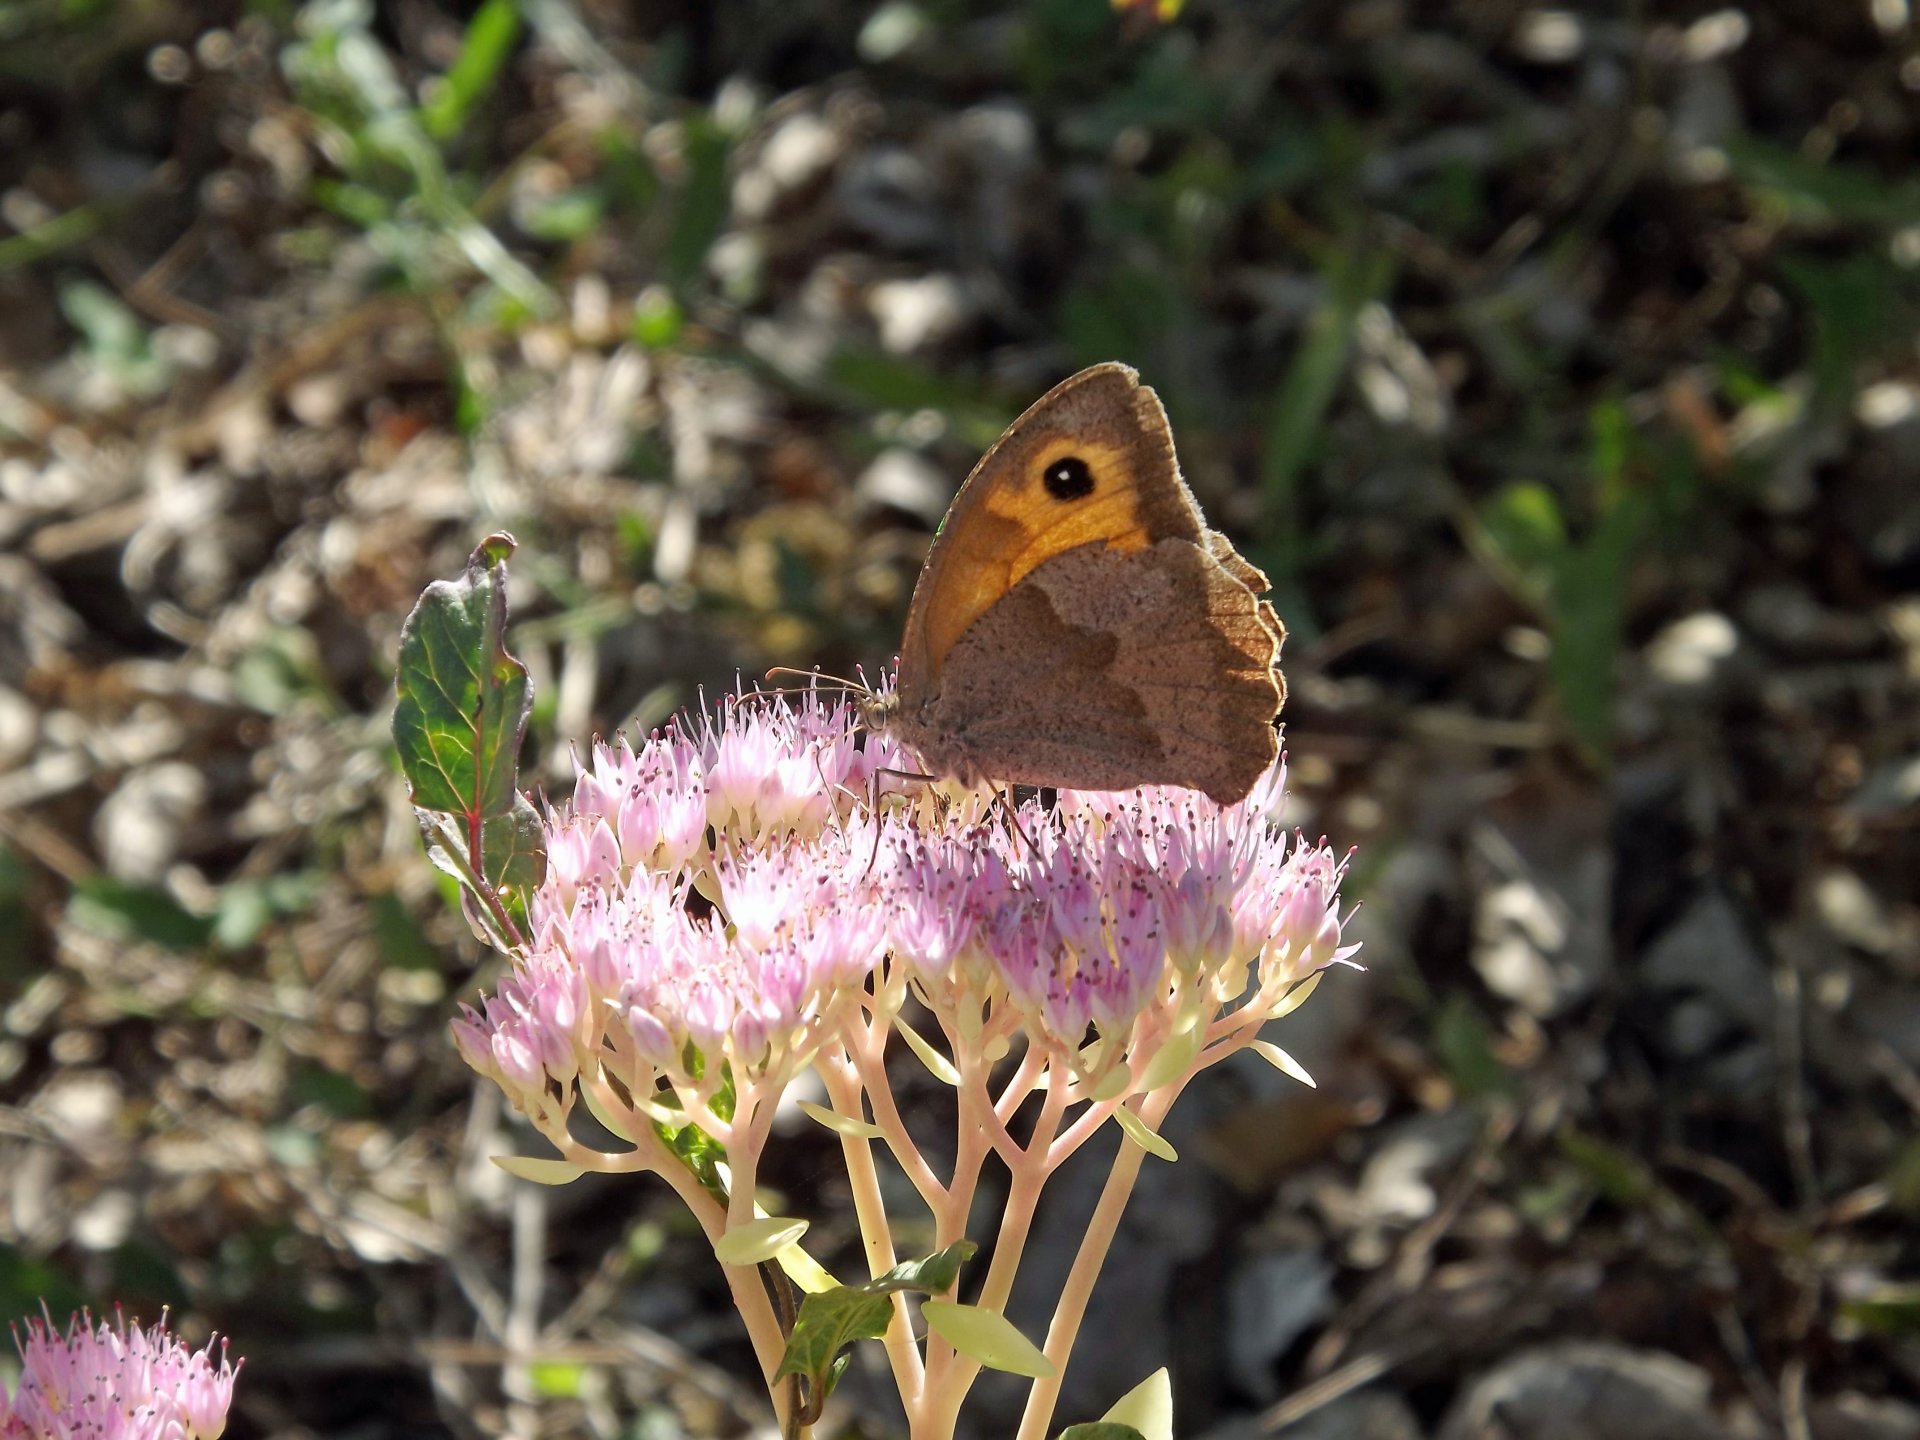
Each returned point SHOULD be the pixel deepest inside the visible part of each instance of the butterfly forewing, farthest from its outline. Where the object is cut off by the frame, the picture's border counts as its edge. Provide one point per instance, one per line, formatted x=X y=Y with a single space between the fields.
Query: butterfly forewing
x=1090 y=461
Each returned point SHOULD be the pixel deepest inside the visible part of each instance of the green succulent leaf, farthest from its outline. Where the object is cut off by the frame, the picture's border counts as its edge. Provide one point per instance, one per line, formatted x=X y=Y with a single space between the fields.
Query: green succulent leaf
x=539 y=1171
x=986 y=1336
x=1145 y=1411
x=758 y=1241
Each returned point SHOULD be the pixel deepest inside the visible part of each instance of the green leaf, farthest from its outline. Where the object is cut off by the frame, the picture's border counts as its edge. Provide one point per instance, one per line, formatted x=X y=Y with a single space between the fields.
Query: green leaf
x=937 y=1064
x=986 y=1336
x=833 y=1319
x=1621 y=1177
x=558 y=1379
x=540 y=1172
x=1862 y=309
x=1890 y=1309
x=1130 y=310
x=565 y=218
x=1903 y=1180
x=826 y=1325
x=106 y=324
x=869 y=380
x=483 y=52
x=1173 y=1058
x=25 y=1283
x=134 y=912
x=63 y=232
x=513 y=848
x=1821 y=191
x=141 y=1268
x=1590 y=615
x=1463 y=1042
x=758 y=1240
x=933 y=1274
x=240 y=913
x=463 y=699
x=803 y=1270
x=15 y=960
x=1101 y=1430
x=403 y=945
x=892 y=30
x=847 y=1125
x=700 y=1152
x=1609 y=447
x=1145 y=1411
x=657 y=322
x=293 y=1147
x=245 y=908
x=458 y=725
x=703 y=203
x=1149 y=1140
x=880 y=381
x=446 y=852
x=1522 y=524
x=339 y=1095
x=1306 y=392
x=1283 y=1062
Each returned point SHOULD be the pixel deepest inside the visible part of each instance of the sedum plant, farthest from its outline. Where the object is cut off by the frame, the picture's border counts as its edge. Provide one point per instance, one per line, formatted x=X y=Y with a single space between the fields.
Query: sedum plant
x=115 y=1381
x=738 y=899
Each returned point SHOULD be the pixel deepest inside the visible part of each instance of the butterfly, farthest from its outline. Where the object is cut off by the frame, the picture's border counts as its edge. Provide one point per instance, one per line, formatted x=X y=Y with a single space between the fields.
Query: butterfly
x=1076 y=623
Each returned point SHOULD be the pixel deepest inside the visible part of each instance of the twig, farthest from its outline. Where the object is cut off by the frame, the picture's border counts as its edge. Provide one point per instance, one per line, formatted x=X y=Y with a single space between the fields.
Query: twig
x=1362 y=1370
x=525 y=1288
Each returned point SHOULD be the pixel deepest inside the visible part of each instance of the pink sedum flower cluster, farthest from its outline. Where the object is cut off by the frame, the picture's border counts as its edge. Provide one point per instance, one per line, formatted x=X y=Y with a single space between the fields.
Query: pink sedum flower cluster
x=740 y=888
x=115 y=1382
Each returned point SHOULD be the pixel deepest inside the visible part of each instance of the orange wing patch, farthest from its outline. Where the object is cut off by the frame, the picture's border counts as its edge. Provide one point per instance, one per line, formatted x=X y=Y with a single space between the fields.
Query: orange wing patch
x=1118 y=486
x=1109 y=514
x=1019 y=526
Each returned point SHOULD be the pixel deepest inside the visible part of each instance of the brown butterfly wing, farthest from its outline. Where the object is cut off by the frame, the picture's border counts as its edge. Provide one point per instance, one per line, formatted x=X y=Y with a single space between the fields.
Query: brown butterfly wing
x=1255 y=579
x=1104 y=669
x=1090 y=461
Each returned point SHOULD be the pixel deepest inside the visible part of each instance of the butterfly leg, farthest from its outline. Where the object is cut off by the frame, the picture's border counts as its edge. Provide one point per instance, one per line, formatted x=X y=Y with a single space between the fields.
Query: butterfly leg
x=1011 y=815
x=831 y=787
x=873 y=801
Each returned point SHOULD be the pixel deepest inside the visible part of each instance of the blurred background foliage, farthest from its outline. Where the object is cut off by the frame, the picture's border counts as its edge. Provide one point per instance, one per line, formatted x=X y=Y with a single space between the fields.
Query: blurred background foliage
x=1558 y=362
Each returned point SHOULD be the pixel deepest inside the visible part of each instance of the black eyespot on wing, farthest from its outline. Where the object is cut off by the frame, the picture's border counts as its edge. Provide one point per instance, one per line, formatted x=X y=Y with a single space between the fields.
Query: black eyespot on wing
x=1069 y=478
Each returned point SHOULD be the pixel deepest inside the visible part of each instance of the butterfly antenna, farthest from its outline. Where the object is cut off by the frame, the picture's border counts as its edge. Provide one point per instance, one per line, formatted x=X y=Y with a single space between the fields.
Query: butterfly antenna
x=814 y=677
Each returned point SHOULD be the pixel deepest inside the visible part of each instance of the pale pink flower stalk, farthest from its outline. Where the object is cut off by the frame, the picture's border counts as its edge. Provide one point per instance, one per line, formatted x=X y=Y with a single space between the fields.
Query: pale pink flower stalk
x=115 y=1382
x=737 y=900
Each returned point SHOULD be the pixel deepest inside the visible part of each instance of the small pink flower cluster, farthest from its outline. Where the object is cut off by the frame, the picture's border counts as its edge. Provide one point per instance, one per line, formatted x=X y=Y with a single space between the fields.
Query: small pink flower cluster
x=727 y=890
x=1124 y=895
x=115 y=1382
x=701 y=894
